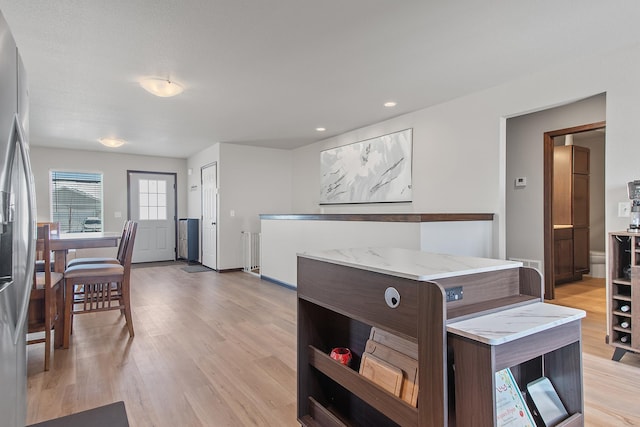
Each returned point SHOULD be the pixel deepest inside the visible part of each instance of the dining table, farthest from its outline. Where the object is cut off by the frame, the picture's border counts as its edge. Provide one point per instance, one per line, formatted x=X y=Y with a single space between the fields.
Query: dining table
x=62 y=243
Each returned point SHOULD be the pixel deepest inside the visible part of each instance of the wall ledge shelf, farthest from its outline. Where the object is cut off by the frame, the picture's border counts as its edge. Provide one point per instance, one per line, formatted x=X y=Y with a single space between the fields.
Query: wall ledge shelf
x=399 y=217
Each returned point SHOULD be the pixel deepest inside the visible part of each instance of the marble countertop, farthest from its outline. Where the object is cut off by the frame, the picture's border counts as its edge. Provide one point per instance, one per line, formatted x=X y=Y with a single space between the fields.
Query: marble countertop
x=410 y=264
x=511 y=324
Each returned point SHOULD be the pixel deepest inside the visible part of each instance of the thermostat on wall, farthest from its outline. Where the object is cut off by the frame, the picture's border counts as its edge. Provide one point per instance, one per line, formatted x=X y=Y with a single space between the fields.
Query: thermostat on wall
x=521 y=181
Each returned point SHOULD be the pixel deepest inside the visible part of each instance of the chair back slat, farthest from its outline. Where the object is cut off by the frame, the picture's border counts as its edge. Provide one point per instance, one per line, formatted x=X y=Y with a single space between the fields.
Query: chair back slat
x=128 y=250
x=54 y=227
x=42 y=311
x=123 y=241
x=43 y=251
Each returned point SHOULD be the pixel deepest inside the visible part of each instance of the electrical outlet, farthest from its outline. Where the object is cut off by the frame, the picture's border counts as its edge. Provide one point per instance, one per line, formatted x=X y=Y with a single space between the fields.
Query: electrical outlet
x=624 y=209
x=453 y=294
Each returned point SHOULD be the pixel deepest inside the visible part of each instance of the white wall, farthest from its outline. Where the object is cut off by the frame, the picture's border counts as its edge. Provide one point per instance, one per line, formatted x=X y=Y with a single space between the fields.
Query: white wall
x=597 y=234
x=460 y=146
x=524 y=207
x=282 y=240
x=251 y=181
x=194 y=180
x=114 y=168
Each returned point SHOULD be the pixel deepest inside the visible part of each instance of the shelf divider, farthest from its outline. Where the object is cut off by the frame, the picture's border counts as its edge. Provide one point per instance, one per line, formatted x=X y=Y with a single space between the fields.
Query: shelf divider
x=392 y=407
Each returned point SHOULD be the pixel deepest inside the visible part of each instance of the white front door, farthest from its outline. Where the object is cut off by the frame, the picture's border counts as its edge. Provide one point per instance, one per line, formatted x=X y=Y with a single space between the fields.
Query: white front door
x=209 y=216
x=152 y=204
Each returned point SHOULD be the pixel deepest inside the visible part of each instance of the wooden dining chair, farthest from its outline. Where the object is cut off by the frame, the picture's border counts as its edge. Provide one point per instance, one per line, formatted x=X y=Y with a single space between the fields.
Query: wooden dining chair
x=45 y=301
x=101 y=260
x=99 y=287
x=54 y=229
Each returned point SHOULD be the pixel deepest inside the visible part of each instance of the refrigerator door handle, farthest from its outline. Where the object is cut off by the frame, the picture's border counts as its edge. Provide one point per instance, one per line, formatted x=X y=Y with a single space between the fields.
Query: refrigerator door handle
x=31 y=250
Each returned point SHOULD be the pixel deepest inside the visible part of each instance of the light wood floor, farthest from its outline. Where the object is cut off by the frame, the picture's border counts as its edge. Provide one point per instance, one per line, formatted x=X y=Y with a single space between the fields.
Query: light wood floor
x=219 y=350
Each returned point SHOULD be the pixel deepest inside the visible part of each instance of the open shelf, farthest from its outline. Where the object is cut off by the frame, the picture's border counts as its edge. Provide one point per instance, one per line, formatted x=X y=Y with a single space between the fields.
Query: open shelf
x=622 y=313
x=575 y=420
x=321 y=416
x=369 y=392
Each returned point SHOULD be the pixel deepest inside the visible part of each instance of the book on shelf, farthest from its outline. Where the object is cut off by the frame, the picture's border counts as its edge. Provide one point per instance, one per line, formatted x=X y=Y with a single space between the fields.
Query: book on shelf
x=546 y=403
x=511 y=408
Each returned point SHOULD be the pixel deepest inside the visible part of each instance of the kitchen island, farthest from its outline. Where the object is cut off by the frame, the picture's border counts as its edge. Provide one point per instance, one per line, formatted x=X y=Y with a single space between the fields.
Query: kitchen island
x=422 y=298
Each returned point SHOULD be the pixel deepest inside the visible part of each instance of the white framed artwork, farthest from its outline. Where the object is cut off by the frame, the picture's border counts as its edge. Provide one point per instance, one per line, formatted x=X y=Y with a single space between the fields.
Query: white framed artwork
x=377 y=170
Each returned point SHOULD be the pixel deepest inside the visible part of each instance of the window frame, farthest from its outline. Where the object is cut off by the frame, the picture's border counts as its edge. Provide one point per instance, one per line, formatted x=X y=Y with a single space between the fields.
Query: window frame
x=63 y=227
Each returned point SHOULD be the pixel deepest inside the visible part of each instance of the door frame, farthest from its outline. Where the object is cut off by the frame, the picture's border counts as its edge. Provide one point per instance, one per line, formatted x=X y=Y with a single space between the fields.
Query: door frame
x=549 y=255
x=175 y=201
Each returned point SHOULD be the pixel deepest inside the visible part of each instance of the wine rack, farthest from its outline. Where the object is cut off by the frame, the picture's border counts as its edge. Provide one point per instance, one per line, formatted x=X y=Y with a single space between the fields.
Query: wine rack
x=623 y=288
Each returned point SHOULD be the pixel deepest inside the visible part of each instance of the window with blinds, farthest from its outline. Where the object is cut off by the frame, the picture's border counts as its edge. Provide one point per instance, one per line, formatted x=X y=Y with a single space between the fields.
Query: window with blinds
x=76 y=201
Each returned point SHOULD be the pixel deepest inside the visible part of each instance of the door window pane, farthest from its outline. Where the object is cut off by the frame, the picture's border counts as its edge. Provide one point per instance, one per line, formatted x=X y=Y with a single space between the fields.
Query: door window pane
x=144 y=212
x=153 y=200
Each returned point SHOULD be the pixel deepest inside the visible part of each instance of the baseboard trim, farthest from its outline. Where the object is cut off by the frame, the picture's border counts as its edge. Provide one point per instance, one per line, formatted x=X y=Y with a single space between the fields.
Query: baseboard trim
x=229 y=270
x=278 y=282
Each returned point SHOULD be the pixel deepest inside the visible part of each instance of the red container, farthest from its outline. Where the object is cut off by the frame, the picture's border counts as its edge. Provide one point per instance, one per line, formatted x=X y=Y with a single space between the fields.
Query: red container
x=342 y=355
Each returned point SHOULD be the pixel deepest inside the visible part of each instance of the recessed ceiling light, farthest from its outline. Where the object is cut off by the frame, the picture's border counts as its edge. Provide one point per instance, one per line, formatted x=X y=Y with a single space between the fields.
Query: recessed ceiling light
x=161 y=87
x=112 y=142
x=321 y=129
x=390 y=104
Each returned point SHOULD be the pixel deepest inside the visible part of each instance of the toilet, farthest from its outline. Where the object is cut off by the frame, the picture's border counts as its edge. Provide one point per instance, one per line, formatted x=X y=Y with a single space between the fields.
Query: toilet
x=597 y=264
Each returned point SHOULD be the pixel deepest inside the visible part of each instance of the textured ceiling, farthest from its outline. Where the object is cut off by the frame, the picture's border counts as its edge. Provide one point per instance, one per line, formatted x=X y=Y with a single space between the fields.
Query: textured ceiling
x=268 y=73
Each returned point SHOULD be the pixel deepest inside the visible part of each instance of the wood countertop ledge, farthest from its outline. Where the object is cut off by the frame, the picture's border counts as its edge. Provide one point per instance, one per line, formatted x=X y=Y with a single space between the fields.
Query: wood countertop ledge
x=391 y=217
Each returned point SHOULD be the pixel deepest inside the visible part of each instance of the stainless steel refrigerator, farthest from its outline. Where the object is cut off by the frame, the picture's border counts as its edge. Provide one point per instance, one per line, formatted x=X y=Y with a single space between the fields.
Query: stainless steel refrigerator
x=17 y=232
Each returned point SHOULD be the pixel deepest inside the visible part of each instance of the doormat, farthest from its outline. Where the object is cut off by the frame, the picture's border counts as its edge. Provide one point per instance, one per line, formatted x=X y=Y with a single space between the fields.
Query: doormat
x=113 y=415
x=196 y=268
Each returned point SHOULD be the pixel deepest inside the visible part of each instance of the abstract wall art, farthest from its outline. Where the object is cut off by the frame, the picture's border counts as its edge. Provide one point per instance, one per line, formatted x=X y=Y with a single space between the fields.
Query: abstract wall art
x=376 y=170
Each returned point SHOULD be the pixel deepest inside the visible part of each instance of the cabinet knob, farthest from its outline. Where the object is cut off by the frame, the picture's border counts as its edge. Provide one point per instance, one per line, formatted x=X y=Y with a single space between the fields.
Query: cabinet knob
x=392 y=297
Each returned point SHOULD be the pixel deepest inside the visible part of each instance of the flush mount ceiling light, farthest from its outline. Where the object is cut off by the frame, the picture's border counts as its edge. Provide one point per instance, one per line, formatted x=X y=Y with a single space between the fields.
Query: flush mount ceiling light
x=112 y=142
x=390 y=104
x=161 y=87
x=321 y=129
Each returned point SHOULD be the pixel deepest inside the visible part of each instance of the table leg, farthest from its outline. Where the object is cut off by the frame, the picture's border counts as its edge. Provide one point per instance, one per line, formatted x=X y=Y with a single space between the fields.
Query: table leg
x=68 y=289
x=59 y=323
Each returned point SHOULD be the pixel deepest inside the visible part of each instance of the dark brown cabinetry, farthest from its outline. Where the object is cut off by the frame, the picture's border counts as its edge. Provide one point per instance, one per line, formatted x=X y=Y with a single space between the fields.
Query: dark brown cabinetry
x=624 y=291
x=562 y=250
x=571 y=212
x=339 y=304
